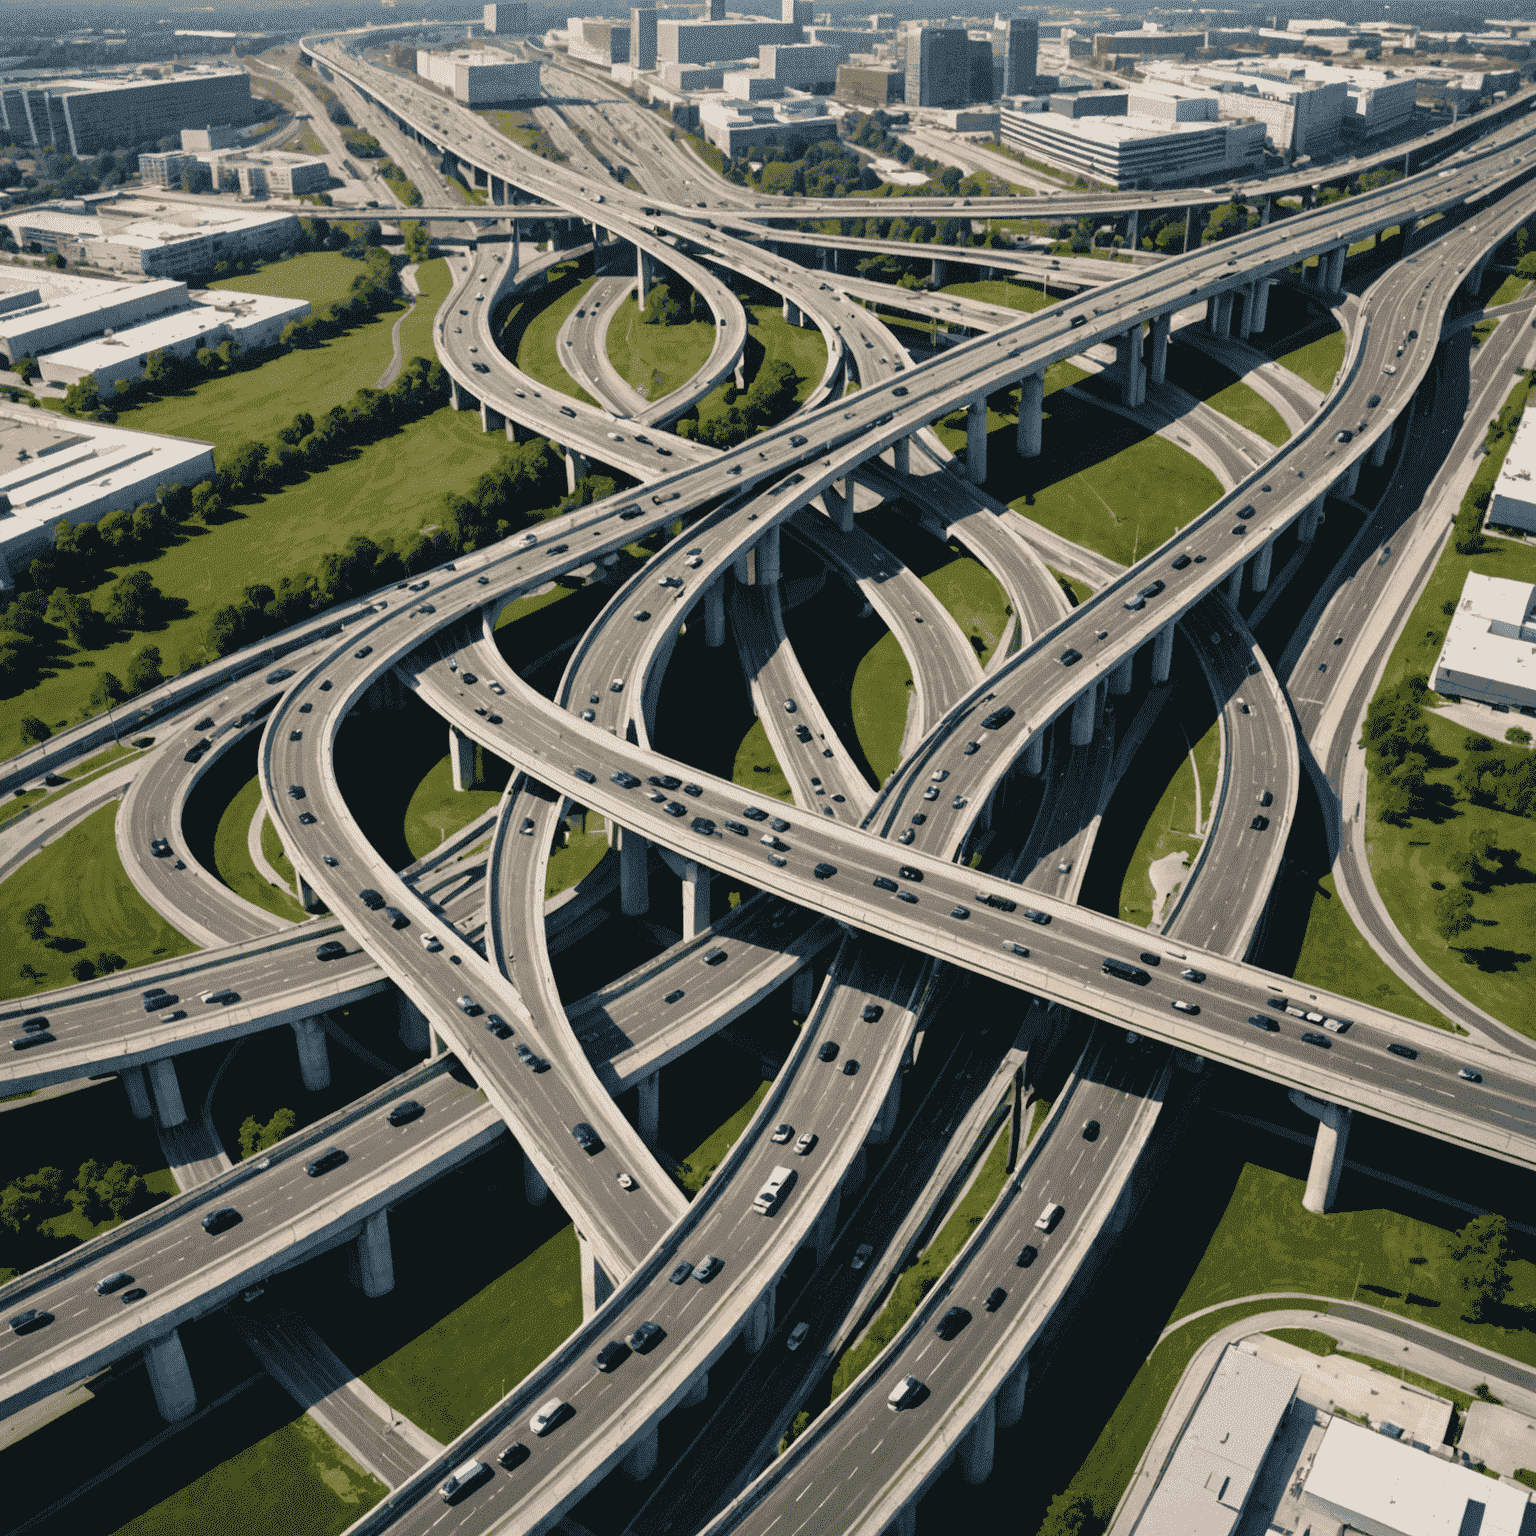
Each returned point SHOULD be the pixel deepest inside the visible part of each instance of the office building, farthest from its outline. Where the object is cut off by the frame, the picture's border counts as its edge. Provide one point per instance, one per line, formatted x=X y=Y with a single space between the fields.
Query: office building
x=642 y=37
x=1020 y=55
x=1489 y=654
x=938 y=67
x=1513 y=502
x=799 y=66
x=506 y=20
x=983 y=76
x=478 y=78
x=1148 y=41
x=870 y=87
x=86 y=116
x=714 y=42
x=54 y=319
x=796 y=12
x=169 y=168
x=198 y=140
x=735 y=126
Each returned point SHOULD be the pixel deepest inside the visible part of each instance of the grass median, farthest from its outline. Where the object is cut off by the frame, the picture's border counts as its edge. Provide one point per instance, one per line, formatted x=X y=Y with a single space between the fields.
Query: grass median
x=1206 y=379
x=656 y=359
x=232 y=856
x=436 y=810
x=529 y=331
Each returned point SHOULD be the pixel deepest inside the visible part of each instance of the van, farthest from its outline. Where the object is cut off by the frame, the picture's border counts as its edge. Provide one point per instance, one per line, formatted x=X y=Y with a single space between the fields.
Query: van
x=769 y=1196
x=223 y=996
x=905 y=1393
x=462 y=1479
x=1047 y=1219
x=1125 y=971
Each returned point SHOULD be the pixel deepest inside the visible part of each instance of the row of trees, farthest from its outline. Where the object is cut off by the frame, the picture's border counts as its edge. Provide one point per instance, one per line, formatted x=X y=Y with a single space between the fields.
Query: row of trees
x=98 y=1193
x=769 y=399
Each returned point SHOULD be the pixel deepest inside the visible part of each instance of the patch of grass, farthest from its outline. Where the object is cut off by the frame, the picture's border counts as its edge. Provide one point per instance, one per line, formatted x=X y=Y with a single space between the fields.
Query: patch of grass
x=533 y=603
x=694 y=1171
x=1027 y=297
x=322 y=277
x=582 y=853
x=232 y=857
x=1207 y=753
x=1507 y=292
x=87 y=772
x=1306 y=1338
x=1335 y=955
x=1318 y=362
x=272 y=847
x=492 y=1341
x=1482 y=331
x=656 y=359
x=975 y=600
x=94 y=906
x=435 y=280
x=1078 y=591
x=1170 y=829
x=921 y=1275
x=771 y=338
x=757 y=768
x=533 y=328
x=1206 y=379
x=881 y=697
x=437 y=810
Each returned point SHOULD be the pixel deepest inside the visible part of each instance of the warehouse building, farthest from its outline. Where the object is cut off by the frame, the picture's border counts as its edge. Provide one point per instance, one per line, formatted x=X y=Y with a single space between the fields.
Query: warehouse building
x=1489 y=654
x=48 y=322
x=478 y=78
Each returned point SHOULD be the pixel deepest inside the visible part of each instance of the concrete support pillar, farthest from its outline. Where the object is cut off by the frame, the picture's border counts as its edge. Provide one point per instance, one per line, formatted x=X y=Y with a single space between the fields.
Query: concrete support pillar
x=634 y=873
x=1121 y=678
x=138 y=1092
x=696 y=880
x=1327 y=1151
x=714 y=615
x=1030 y=430
x=1336 y=267
x=1260 y=306
x=1084 y=707
x=741 y=374
x=1383 y=445
x=1265 y=210
x=1129 y=366
x=454 y=401
x=535 y=1190
x=461 y=758
x=311 y=902
x=372 y=1261
x=802 y=993
x=940 y=272
x=901 y=456
x=169 y=1378
x=576 y=465
x=596 y=1287
x=1351 y=481
x=1406 y=230
x=314 y=1054
x=641 y=1460
x=768 y=557
x=905 y=1523
x=1306 y=524
x=1189 y=224
x=759 y=1324
x=511 y=430
x=826 y=1226
x=642 y=279
x=839 y=501
x=415 y=1034
x=743 y=566
x=1261 y=565
x=699 y=1391
x=169 y=1110
x=976 y=441
x=1010 y=1396
x=885 y=1123
x=1162 y=654
x=1245 y=321
x=791 y=312
x=1234 y=587
x=977 y=1448
x=1157 y=370
x=1133 y=229
x=650 y=1107
x=491 y=420
x=1034 y=755
x=1218 y=314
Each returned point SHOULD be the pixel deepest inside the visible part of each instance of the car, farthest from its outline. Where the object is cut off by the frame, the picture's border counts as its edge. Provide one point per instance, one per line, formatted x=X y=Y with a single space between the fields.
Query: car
x=715 y=956
x=1047 y=1219
x=221 y=1220
x=306 y=818
x=850 y=1067
x=431 y=943
x=708 y=1268
x=861 y=1256
x=777 y=860
x=1189 y=973
x=30 y=1320
x=807 y=1141
x=1042 y=918
x=1267 y=798
x=883 y=883
x=160 y=847
x=114 y=1282
x=779 y=824
x=703 y=826
x=405 y=1111
x=1407 y=1052
x=332 y=949
x=396 y=918
x=616 y=686
x=370 y=898
x=958 y=803
x=1090 y=1130
x=1389 y=368
x=647 y=1336
x=797 y=1335
x=1259 y=824
x=907 y=1393
x=1344 y=435
x=1336 y=1026
x=366 y=650
x=782 y=1132
x=1264 y=1022
x=1468 y=1075
x=586 y=1138
x=548 y=1415
x=906 y=837
x=1311 y=1037
x=328 y=860
x=1027 y=1256
x=931 y=793
x=995 y=1298
x=612 y=1355
x=872 y=1013
x=824 y=871
x=828 y=1051
x=513 y=1455
x=790 y=706
x=1016 y=949
x=585 y=775
x=951 y=1323
x=1068 y=658
x=907 y=896
x=910 y=872
x=467 y=1005
x=1180 y=563
x=1000 y=717
x=498 y=1026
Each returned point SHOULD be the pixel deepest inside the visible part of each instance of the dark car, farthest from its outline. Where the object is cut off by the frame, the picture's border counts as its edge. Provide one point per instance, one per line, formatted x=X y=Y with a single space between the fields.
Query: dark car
x=612 y=1355
x=306 y=818
x=667 y=781
x=908 y=897
x=1148 y=958
x=1181 y=562
x=625 y=780
x=1027 y=1255
x=1406 y=1051
x=586 y=1138
x=952 y=1322
x=828 y=1051
x=910 y=872
x=221 y=1220
x=999 y=717
x=138 y=1293
x=674 y=996
x=405 y=1111
x=370 y=898
x=26 y=1042
x=114 y=1282
x=160 y=847
x=883 y=883
x=498 y=1026
x=1090 y=1130
x=850 y=1067
x=1312 y=1037
x=513 y=1455
x=366 y=650
x=30 y=1320
x=824 y=871
x=1071 y=655
x=332 y=1157
x=1263 y=1021
x=681 y=1272
x=1189 y=973
x=396 y=918
x=1042 y=918
x=872 y=1014
x=1259 y=824
x=332 y=949
x=646 y=1337
x=995 y=1298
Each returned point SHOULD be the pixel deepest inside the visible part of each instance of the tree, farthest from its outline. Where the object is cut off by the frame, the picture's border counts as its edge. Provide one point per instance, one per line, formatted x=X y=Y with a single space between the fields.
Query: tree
x=73 y=613
x=34 y=730
x=83 y=970
x=37 y=920
x=1070 y=1514
x=144 y=669
x=135 y=602
x=1453 y=914
x=1482 y=1261
x=108 y=691
x=256 y=1137
x=1517 y=734
x=107 y=962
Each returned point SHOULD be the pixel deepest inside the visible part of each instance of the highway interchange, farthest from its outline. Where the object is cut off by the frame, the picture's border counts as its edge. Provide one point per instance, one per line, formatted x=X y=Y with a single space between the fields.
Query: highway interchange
x=801 y=480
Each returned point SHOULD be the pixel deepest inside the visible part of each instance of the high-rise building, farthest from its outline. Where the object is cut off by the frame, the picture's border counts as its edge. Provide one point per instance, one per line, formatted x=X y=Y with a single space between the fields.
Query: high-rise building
x=642 y=37
x=869 y=85
x=939 y=67
x=1021 y=55
x=799 y=13
x=716 y=10
x=982 y=77
x=507 y=20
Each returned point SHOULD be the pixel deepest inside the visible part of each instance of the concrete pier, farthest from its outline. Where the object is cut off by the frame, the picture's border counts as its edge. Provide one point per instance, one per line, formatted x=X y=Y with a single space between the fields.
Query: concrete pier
x=372 y=1261
x=314 y=1052
x=170 y=1378
x=461 y=758
x=1028 y=434
x=169 y=1110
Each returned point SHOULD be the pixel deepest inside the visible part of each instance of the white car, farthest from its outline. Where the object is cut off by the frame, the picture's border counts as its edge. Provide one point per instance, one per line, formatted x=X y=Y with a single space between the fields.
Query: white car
x=548 y=1415
x=431 y=943
x=797 y=1335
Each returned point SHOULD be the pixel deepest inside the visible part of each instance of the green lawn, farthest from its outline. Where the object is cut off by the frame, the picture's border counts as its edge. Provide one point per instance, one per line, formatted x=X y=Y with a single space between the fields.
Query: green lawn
x=94 y=907
x=771 y=338
x=1170 y=829
x=272 y=847
x=1507 y=292
x=437 y=810
x=446 y=1377
x=232 y=857
x=757 y=768
x=656 y=359
x=1208 y=380
x=1080 y=591
x=694 y=1171
x=388 y=490
x=322 y=277
x=1318 y=362
x=582 y=853
x=533 y=324
x=975 y=600
x=77 y=777
x=881 y=696
x=1335 y=955
x=435 y=279
x=1306 y=1338
x=1011 y=295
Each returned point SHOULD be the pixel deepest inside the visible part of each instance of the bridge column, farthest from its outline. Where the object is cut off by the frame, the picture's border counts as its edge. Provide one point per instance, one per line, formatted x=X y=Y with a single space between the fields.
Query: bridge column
x=741 y=374
x=790 y=311
x=491 y=420
x=1157 y=370
x=1406 y=230
x=634 y=873
x=169 y=1110
x=759 y=1322
x=1162 y=654
x=596 y=1287
x=1245 y=323
x=461 y=758
x=840 y=503
x=1351 y=481
x=696 y=881
x=1084 y=708
x=1034 y=755
x=1218 y=314
x=1010 y=1396
x=535 y=1190
x=453 y=395
x=650 y=1107
x=642 y=279
x=885 y=1123
x=169 y=1378
x=979 y=1445
x=1260 y=306
x=1234 y=588
x=1306 y=524
x=1029 y=432
x=743 y=565
x=1121 y=678
x=1336 y=267
x=1261 y=566
x=768 y=557
x=1129 y=366
x=641 y=1460
x=1383 y=445
x=1265 y=210
x=940 y=272
x=714 y=615
x=1133 y=229
x=511 y=430
x=976 y=441
x=307 y=897
x=498 y=191
x=576 y=466
x=1333 y=1122
x=139 y=1103
x=415 y=1033
x=314 y=1056
x=802 y=993
x=371 y=1264
x=901 y=456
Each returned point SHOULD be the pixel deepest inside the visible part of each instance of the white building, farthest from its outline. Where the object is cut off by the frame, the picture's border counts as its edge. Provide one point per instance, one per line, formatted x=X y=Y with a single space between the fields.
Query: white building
x=1371 y=1483
x=478 y=78
x=47 y=324
x=53 y=468
x=1513 y=502
x=734 y=125
x=1489 y=655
